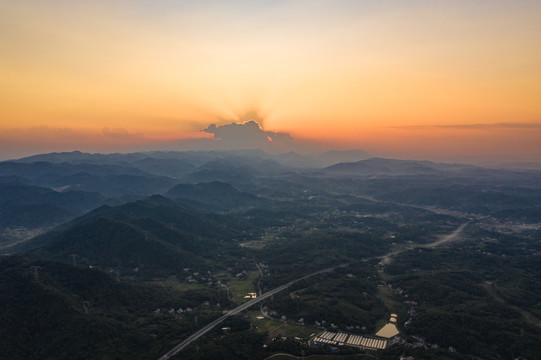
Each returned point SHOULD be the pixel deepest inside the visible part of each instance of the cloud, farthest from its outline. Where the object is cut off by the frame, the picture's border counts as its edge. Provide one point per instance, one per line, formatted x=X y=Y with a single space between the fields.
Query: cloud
x=502 y=125
x=46 y=134
x=246 y=132
x=122 y=135
x=40 y=139
x=249 y=135
x=242 y=136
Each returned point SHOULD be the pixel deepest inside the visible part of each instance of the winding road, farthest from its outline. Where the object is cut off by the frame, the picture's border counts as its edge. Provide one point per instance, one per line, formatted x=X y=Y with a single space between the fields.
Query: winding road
x=386 y=259
x=447 y=238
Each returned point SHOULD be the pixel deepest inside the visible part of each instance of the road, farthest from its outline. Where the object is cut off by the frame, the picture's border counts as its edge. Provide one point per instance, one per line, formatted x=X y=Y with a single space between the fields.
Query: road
x=270 y=293
x=259 y=292
x=237 y=310
x=387 y=258
x=447 y=238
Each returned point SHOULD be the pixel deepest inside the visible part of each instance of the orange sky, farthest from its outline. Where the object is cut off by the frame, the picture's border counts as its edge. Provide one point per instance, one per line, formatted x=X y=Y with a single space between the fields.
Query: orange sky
x=398 y=78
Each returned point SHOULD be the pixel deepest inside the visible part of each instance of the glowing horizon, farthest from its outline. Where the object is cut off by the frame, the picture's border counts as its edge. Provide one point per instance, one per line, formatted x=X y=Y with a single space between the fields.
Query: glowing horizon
x=436 y=78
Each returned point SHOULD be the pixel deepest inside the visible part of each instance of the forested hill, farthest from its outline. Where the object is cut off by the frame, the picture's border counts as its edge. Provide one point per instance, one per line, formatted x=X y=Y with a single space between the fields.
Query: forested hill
x=152 y=236
x=218 y=194
x=51 y=310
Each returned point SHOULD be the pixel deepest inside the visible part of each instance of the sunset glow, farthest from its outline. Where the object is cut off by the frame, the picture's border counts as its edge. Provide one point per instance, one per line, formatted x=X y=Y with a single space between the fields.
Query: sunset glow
x=423 y=78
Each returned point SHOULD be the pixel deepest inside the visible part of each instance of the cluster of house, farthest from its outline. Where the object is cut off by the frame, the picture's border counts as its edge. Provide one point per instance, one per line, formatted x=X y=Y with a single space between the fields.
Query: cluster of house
x=173 y=311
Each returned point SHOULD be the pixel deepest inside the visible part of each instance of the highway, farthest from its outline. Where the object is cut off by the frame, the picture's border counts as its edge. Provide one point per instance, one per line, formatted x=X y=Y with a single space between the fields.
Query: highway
x=246 y=305
x=237 y=310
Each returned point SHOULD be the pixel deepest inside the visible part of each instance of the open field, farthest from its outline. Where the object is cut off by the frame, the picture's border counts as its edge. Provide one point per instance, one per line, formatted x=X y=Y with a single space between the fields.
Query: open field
x=276 y=327
x=239 y=287
x=393 y=305
x=12 y=237
x=174 y=283
x=320 y=357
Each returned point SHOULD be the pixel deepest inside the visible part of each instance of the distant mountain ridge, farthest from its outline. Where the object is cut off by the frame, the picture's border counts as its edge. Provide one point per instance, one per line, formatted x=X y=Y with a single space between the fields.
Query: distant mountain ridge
x=381 y=166
x=34 y=206
x=197 y=158
x=109 y=180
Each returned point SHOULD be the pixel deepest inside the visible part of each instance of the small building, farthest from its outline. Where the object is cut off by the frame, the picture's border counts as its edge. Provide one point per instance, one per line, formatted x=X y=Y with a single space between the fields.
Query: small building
x=250 y=295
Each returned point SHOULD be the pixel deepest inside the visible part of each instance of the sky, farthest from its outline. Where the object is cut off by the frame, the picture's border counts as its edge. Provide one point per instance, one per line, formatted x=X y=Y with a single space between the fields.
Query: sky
x=406 y=79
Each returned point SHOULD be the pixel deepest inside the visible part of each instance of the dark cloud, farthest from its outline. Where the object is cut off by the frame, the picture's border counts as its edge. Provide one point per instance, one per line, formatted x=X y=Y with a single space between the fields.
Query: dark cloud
x=244 y=135
x=249 y=135
x=245 y=132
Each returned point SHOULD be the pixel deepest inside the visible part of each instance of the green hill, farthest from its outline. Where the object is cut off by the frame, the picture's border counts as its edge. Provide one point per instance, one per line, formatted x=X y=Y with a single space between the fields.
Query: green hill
x=154 y=236
x=216 y=193
x=50 y=310
x=33 y=206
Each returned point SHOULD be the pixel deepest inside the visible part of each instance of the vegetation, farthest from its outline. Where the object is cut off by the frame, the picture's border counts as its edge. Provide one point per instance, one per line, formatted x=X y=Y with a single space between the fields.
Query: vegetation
x=137 y=275
x=54 y=310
